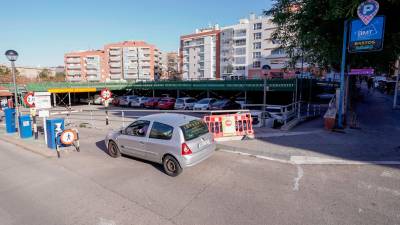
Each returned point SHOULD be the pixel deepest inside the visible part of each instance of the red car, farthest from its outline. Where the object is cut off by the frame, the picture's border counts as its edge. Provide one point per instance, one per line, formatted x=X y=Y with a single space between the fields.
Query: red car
x=152 y=103
x=166 y=103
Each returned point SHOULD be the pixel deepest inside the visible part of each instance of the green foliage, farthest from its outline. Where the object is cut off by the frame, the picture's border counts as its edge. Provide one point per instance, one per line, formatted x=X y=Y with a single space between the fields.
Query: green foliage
x=316 y=27
x=44 y=74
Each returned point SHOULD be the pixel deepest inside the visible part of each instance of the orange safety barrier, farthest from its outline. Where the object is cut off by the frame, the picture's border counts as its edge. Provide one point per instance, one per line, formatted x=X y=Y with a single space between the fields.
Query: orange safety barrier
x=229 y=125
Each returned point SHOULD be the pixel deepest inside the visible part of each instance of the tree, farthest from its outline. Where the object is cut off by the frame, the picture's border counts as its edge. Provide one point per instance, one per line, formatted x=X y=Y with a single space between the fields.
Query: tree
x=60 y=76
x=44 y=74
x=314 y=28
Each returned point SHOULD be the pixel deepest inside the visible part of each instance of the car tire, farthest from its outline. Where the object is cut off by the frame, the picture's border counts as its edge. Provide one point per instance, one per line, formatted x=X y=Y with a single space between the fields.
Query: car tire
x=171 y=166
x=113 y=149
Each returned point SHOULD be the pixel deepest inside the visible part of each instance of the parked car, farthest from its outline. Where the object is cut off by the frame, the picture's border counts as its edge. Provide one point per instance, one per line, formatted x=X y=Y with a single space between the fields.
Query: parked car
x=176 y=141
x=185 y=103
x=225 y=104
x=115 y=101
x=166 y=103
x=152 y=102
x=204 y=104
x=97 y=100
x=126 y=101
x=139 y=102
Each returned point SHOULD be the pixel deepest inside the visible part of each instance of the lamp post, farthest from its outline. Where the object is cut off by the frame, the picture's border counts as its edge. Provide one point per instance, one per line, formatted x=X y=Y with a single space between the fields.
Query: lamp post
x=12 y=56
x=265 y=70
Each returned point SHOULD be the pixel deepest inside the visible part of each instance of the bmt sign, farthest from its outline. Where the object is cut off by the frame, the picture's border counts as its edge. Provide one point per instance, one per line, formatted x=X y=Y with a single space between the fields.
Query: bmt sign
x=365 y=38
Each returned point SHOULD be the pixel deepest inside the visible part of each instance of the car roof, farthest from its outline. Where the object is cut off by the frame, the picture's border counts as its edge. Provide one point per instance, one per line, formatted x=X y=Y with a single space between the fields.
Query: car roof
x=172 y=119
x=186 y=98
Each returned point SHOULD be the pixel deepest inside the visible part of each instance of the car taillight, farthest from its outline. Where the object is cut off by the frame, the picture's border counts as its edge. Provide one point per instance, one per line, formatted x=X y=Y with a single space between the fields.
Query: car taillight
x=185 y=149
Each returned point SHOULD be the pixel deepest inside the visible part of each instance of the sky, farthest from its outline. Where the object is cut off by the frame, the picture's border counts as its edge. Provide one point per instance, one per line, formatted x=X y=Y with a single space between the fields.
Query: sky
x=41 y=31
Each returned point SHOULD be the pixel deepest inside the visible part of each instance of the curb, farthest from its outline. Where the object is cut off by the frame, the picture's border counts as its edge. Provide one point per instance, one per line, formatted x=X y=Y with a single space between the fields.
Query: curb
x=45 y=154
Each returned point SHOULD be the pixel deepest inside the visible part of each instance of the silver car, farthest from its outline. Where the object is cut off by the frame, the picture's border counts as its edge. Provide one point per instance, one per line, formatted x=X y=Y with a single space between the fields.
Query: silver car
x=174 y=140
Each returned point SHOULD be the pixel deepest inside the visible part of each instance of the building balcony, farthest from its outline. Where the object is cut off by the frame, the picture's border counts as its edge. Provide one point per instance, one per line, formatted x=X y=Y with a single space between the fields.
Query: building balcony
x=74 y=78
x=115 y=76
x=93 y=78
x=131 y=66
x=131 y=53
x=73 y=72
x=115 y=65
x=69 y=66
x=92 y=66
x=115 y=58
x=74 y=60
x=92 y=72
x=131 y=71
x=115 y=71
x=115 y=52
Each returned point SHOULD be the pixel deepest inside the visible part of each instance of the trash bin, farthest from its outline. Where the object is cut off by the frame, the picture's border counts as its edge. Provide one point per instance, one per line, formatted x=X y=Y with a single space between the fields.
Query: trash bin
x=25 y=126
x=10 y=120
x=51 y=125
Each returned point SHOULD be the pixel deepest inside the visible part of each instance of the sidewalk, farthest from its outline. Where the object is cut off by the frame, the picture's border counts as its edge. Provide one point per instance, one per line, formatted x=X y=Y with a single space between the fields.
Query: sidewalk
x=377 y=140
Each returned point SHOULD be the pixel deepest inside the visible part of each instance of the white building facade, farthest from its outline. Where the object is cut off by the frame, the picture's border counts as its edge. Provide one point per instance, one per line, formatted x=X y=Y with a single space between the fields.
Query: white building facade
x=200 y=58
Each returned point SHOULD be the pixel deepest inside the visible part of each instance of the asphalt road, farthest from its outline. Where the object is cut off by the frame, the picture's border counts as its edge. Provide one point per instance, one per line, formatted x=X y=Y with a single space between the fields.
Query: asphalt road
x=91 y=188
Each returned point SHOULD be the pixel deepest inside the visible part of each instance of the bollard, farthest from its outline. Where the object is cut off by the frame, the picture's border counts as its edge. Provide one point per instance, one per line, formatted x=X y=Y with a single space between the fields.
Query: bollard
x=91 y=117
x=35 y=130
x=107 y=116
x=123 y=118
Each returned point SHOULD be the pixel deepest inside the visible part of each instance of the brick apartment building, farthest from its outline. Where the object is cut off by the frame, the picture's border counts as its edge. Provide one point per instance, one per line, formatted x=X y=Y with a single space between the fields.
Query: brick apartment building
x=123 y=61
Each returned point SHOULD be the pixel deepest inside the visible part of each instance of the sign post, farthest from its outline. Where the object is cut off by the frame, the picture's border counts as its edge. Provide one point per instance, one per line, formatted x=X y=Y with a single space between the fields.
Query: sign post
x=42 y=103
x=106 y=95
x=366 y=34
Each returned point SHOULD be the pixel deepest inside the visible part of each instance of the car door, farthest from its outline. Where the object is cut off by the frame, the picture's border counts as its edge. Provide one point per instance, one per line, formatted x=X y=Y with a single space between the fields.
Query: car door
x=133 y=139
x=160 y=141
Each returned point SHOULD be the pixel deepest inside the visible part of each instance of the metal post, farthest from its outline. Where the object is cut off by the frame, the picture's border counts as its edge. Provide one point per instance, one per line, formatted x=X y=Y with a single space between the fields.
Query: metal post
x=54 y=100
x=15 y=88
x=342 y=67
x=397 y=84
x=264 y=110
x=69 y=99
x=123 y=118
x=154 y=94
x=245 y=99
x=107 y=115
x=208 y=93
x=35 y=130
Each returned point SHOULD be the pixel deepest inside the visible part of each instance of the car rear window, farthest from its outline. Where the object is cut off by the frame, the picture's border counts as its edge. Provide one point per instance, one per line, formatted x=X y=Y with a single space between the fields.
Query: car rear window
x=194 y=129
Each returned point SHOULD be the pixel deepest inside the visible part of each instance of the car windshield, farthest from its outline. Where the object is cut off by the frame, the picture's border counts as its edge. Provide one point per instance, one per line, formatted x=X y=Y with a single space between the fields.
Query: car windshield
x=220 y=102
x=194 y=129
x=180 y=101
x=204 y=101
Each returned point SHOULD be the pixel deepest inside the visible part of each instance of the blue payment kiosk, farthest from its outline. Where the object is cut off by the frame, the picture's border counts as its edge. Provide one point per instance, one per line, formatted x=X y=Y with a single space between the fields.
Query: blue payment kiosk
x=10 y=120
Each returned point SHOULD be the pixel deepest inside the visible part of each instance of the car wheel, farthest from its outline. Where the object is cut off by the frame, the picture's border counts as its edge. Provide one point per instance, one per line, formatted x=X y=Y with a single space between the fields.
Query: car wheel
x=141 y=105
x=113 y=150
x=171 y=166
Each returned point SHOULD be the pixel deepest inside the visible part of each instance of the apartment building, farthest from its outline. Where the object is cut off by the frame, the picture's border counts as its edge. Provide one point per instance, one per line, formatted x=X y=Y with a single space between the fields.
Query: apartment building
x=199 y=54
x=158 y=64
x=85 y=66
x=248 y=46
x=170 y=65
x=130 y=60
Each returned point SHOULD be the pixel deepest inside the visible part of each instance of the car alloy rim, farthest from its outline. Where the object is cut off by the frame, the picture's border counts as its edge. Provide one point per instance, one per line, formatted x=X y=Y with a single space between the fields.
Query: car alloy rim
x=171 y=166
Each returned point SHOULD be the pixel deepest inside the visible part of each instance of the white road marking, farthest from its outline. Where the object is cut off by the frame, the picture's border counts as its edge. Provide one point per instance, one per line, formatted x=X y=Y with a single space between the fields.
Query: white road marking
x=387 y=174
x=257 y=156
x=300 y=174
x=105 y=222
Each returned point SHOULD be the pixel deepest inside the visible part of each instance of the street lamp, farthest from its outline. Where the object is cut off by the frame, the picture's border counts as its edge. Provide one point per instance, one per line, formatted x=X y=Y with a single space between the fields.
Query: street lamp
x=12 y=56
x=265 y=71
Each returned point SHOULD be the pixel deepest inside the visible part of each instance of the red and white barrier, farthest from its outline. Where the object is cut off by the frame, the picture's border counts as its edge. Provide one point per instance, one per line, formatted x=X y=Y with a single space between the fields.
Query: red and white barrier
x=230 y=126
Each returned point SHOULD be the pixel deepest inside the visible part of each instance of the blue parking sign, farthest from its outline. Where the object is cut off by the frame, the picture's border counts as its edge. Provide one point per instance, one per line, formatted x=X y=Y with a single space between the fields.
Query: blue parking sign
x=366 y=38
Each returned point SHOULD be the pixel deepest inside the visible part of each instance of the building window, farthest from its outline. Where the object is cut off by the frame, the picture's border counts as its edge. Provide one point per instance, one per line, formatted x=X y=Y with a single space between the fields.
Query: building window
x=278 y=51
x=240 y=51
x=239 y=67
x=240 y=60
x=240 y=42
x=257 y=26
x=256 y=64
x=240 y=33
x=257 y=36
x=256 y=55
x=257 y=45
x=161 y=131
